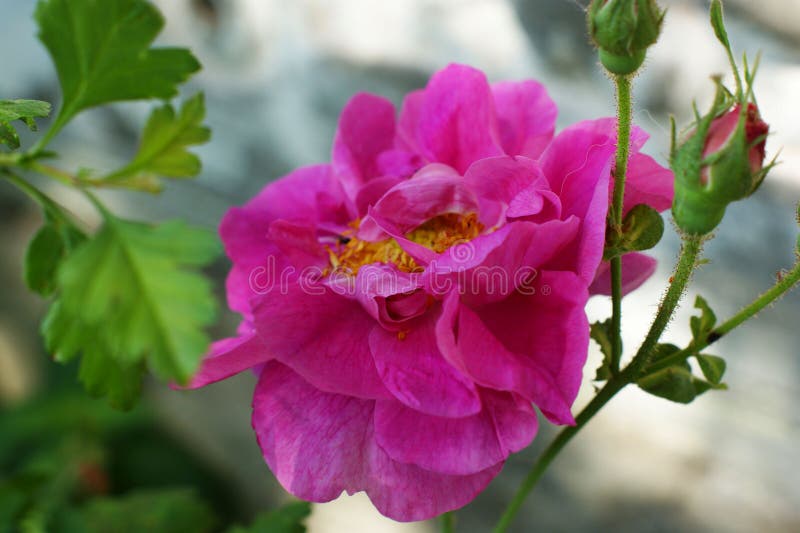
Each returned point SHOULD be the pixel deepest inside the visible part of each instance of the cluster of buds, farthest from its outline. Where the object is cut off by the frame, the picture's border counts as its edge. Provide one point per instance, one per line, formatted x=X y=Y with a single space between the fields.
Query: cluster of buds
x=623 y=30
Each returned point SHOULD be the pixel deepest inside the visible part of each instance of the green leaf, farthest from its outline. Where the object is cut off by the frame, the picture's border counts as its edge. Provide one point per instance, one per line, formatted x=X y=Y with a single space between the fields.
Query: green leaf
x=46 y=251
x=718 y=23
x=101 y=50
x=162 y=150
x=12 y=504
x=287 y=519
x=601 y=333
x=662 y=351
x=128 y=294
x=675 y=383
x=24 y=110
x=713 y=367
x=642 y=229
x=104 y=376
x=702 y=325
x=154 y=511
x=101 y=374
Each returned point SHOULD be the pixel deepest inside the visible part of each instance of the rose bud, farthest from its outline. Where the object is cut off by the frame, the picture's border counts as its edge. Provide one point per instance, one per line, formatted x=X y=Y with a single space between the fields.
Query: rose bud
x=722 y=161
x=623 y=30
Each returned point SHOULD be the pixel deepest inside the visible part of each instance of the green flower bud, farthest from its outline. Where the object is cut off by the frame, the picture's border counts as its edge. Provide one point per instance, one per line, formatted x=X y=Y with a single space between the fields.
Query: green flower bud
x=721 y=161
x=622 y=30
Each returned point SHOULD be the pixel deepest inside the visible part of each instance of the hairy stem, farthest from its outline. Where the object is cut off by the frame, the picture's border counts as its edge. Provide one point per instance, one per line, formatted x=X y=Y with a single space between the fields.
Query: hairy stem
x=624 y=107
x=785 y=284
x=687 y=261
x=611 y=388
x=683 y=273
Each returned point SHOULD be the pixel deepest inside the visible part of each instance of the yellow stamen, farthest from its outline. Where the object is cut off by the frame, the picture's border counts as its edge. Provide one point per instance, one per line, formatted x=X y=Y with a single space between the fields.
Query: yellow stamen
x=438 y=234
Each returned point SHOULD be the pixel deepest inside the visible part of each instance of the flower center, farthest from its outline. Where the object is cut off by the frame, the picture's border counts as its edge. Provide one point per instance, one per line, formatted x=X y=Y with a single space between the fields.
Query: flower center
x=439 y=234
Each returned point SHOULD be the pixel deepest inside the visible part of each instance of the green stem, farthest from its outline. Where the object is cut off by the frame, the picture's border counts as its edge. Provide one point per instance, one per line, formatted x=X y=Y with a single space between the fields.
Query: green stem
x=58 y=124
x=624 y=110
x=611 y=388
x=687 y=261
x=44 y=201
x=616 y=313
x=690 y=251
x=448 y=522
x=783 y=286
x=55 y=173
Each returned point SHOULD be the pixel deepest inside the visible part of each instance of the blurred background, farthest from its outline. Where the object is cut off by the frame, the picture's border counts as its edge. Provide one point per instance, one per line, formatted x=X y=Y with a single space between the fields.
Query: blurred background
x=276 y=75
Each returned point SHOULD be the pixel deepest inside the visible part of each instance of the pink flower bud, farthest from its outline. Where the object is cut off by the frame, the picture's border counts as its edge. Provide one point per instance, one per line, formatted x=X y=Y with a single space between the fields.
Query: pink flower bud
x=722 y=134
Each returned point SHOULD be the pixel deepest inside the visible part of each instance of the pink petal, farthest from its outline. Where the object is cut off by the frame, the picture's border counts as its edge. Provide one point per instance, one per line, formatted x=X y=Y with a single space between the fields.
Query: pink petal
x=498 y=182
x=399 y=163
x=431 y=192
x=391 y=297
x=648 y=183
x=578 y=166
x=309 y=196
x=408 y=121
x=366 y=128
x=321 y=336
x=228 y=357
x=299 y=244
x=408 y=493
x=490 y=267
x=636 y=269
x=320 y=444
x=534 y=345
x=454 y=123
x=526 y=115
x=514 y=419
x=372 y=191
x=313 y=441
x=414 y=371
x=456 y=446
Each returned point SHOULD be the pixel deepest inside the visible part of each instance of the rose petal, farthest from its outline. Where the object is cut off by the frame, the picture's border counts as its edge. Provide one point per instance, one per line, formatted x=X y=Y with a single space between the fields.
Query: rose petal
x=526 y=117
x=457 y=446
x=320 y=335
x=648 y=183
x=453 y=121
x=490 y=267
x=303 y=431
x=636 y=269
x=414 y=371
x=228 y=357
x=498 y=182
x=534 y=345
x=578 y=166
x=366 y=128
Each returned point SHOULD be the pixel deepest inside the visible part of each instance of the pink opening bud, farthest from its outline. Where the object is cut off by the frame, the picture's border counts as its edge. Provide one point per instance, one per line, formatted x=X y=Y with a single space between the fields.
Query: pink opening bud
x=720 y=162
x=722 y=134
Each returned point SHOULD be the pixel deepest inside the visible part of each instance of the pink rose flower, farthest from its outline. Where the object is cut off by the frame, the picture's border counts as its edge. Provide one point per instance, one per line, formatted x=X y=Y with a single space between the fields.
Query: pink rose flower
x=406 y=306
